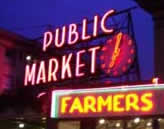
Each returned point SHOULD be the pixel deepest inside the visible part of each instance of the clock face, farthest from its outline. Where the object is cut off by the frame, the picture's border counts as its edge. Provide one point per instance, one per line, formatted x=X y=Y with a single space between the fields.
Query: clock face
x=118 y=54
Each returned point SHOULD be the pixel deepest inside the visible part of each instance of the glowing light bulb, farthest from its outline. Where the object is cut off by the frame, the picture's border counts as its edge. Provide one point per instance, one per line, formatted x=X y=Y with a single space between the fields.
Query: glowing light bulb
x=155 y=80
x=118 y=124
x=101 y=121
x=44 y=118
x=149 y=124
x=28 y=58
x=21 y=125
x=137 y=120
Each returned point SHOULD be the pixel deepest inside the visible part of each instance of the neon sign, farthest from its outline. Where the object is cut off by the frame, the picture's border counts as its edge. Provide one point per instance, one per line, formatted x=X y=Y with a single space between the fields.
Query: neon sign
x=109 y=102
x=73 y=34
x=54 y=69
x=106 y=103
x=44 y=75
x=114 y=58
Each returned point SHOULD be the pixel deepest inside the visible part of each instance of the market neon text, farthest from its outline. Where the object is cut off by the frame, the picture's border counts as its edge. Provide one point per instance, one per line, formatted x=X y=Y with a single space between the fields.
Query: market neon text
x=56 y=70
x=37 y=73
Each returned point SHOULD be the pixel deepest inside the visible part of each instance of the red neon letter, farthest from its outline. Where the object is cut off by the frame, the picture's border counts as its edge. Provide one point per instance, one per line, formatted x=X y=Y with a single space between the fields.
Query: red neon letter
x=84 y=29
x=73 y=32
x=66 y=66
x=48 y=36
x=106 y=15
x=41 y=74
x=57 y=44
x=30 y=74
x=78 y=65
x=53 y=68
x=93 y=58
x=95 y=26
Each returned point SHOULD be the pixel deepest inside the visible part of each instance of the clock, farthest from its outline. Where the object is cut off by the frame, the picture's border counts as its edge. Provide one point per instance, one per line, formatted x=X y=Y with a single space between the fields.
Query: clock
x=118 y=54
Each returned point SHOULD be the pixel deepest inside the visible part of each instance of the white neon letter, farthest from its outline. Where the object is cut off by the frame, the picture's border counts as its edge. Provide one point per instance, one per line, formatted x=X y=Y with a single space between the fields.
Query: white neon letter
x=106 y=15
x=48 y=37
x=41 y=74
x=73 y=32
x=66 y=66
x=95 y=26
x=93 y=58
x=53 y=68
x=78 y=64
x=84 y=31
x=30 y=74
x=57 y=35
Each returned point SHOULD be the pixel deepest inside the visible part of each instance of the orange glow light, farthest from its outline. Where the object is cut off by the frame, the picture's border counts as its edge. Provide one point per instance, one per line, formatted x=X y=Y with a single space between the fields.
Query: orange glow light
x=116 y=50
x=155 y=80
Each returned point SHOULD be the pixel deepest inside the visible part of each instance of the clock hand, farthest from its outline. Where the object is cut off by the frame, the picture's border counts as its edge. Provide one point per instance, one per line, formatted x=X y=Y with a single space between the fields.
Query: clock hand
x=116 y=50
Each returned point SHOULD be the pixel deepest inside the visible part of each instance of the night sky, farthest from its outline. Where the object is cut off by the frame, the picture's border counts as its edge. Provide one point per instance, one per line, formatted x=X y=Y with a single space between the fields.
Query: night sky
x=31 y=18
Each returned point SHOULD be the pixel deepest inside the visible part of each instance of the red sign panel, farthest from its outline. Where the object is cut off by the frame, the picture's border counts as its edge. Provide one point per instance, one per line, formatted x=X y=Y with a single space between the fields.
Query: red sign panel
x=108 y=102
